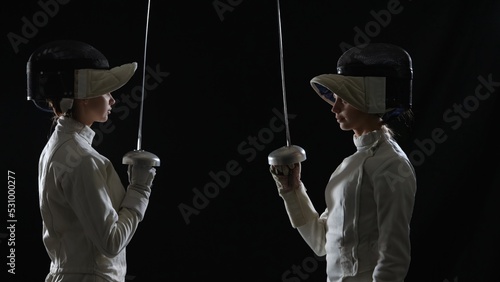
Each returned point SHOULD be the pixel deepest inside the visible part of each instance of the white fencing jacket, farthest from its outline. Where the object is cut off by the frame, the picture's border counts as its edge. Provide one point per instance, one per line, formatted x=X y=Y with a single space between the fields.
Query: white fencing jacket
x=369 y=204
x=88 y=216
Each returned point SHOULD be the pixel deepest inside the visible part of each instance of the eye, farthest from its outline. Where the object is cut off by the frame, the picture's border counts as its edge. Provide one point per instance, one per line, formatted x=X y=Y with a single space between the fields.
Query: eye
x=341 y=100
x=338 y=99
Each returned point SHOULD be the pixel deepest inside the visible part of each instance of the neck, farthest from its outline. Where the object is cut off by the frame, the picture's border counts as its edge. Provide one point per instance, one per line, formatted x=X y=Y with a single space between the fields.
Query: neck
x=367 y=129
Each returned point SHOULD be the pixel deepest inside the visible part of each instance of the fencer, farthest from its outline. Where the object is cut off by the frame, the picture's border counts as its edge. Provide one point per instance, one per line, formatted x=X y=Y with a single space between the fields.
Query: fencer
x=88 y=216
x=364 y=231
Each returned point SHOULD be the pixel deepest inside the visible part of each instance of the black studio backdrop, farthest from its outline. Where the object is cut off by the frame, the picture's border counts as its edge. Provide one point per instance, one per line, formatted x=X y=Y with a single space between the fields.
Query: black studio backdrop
x=213 y=112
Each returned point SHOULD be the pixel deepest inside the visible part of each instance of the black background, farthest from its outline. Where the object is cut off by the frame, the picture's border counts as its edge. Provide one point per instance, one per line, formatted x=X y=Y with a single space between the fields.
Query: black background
x=220 y=86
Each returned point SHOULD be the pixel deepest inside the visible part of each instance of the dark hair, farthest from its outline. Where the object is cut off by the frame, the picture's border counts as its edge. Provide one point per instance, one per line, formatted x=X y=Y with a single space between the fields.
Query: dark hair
x=396 y=125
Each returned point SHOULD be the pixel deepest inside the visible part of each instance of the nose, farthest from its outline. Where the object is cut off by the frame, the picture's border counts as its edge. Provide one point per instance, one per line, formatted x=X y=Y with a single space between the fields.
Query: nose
x=336 y=107
x=111 y=100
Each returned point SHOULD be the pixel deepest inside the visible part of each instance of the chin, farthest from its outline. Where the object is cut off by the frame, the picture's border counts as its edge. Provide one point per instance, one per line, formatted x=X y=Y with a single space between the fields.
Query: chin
x=103 y=119
x=344 y=128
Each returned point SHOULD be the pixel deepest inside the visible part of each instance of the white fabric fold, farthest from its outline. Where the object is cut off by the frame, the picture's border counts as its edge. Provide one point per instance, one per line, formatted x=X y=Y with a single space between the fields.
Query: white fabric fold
x=366 y=94
x=90 y=83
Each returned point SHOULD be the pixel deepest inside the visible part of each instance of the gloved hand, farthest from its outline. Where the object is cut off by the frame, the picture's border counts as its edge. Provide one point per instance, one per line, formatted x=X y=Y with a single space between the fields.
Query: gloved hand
x=287 y=177
x=138 y=191
x=141 y=176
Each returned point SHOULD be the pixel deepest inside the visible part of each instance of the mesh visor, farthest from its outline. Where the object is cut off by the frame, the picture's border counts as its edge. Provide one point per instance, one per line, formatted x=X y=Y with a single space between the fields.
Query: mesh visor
x=376 y=59
x=382 y=60
x=68 y=69
x=51 y=68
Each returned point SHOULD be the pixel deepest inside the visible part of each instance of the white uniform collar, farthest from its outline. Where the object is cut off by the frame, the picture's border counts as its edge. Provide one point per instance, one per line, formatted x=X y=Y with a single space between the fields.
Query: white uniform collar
x=69 y=125
x=368 y=140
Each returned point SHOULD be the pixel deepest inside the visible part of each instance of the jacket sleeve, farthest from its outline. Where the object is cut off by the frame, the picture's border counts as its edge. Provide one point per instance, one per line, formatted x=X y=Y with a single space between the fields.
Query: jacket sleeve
x=305 y=218
x=109 y=230
x=394 y=192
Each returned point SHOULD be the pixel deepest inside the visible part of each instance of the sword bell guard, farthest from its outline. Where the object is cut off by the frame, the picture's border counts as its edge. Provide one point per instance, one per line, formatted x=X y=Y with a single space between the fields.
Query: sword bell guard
x=141 y=157
x=287 y=155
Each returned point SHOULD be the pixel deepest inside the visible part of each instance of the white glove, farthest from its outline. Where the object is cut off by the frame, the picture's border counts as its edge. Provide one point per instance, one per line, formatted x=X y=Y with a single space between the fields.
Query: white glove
x=141 y=176
x=139 y=189
x=287 y=177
